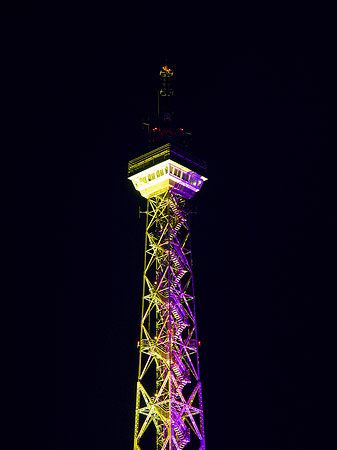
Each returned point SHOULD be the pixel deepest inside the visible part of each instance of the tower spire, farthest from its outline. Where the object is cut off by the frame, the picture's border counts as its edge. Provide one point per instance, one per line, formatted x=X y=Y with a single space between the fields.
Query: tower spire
x=163 y=129
x=166 y=92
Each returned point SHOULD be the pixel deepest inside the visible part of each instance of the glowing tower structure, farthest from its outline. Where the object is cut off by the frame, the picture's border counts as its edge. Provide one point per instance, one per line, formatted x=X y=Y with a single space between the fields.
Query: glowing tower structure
x=169 y=407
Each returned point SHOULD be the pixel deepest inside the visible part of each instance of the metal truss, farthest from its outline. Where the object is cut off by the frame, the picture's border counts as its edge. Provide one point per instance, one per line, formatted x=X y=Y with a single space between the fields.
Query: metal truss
x=169 y=397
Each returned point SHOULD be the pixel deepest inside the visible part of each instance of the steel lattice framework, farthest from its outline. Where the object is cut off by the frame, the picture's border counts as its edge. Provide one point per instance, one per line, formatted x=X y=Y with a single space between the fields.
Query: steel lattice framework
x=168 y=336
x=169 y=394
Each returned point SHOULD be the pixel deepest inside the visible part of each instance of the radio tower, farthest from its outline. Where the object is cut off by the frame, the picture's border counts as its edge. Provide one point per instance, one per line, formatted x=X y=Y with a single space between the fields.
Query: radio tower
x=169 y=408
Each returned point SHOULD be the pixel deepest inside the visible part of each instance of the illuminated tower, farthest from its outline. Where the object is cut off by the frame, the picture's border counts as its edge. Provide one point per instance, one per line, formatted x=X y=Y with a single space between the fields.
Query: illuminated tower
x=169 y=407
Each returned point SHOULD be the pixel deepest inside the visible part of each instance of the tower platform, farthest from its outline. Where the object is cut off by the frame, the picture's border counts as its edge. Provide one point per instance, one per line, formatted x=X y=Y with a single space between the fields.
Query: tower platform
x=167 y=167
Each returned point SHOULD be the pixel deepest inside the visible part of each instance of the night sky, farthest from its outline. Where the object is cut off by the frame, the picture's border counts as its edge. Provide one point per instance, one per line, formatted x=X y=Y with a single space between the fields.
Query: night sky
x=256 y=87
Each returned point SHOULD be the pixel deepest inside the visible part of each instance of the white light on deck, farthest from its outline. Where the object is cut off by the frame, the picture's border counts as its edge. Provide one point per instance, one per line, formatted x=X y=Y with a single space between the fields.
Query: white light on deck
x=167 y=175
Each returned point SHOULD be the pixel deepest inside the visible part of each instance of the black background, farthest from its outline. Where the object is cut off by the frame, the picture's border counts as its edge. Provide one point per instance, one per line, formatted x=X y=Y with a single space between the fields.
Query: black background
x=256 y=87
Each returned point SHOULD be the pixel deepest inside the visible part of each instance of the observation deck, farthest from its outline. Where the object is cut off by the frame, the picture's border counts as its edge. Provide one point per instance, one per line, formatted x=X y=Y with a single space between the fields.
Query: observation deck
x=167 y=167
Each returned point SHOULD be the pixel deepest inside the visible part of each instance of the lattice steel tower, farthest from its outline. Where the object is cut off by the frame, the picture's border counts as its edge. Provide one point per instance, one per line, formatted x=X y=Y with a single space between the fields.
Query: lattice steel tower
x=169 y=407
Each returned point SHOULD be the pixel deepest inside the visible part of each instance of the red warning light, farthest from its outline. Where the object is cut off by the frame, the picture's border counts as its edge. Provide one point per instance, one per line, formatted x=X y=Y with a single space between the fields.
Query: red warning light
x=181 y=129
x=199 y=343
